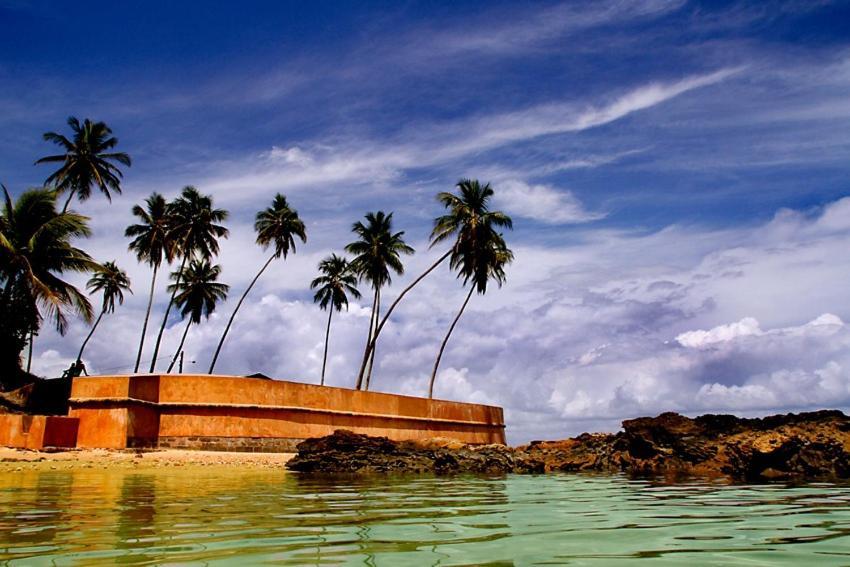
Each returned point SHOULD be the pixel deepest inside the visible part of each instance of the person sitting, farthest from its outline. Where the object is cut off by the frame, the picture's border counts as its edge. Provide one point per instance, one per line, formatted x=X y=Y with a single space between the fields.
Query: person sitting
x=77 y=368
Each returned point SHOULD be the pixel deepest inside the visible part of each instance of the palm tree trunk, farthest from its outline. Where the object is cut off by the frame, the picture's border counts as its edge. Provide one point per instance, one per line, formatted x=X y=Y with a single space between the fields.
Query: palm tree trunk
x=68 y=202
x=167 y=311
x=182 y=340
x=446 y=340
x=359 y=384
x=145 y=325
x=93 y=327
x=327 y=337
x=371 y=344
x=374 y=347
x=233 y=315
x=29 y=356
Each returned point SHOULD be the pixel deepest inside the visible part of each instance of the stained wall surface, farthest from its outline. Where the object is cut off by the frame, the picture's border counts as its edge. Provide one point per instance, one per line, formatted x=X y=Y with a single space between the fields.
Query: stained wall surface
x=236 y=413
x=37 y=431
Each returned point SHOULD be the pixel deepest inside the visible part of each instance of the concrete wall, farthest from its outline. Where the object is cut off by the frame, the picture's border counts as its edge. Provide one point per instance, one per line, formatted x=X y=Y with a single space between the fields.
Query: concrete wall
x=235 y=413
x=37 y=431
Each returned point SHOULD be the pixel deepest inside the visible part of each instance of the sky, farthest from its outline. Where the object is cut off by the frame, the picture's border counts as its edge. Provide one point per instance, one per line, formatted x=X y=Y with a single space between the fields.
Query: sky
x=678 y=173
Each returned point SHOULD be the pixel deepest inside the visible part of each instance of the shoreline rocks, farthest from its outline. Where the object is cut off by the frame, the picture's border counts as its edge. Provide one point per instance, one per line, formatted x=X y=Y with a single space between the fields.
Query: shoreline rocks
x=805 y=446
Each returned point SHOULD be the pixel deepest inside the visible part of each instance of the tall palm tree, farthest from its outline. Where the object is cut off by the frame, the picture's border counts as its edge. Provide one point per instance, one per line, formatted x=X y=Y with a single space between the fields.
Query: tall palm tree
x=86 y=161
x=277 y=225
x=36 y=248
x=112 y=282
x=194 y=231
x=152 y=243
x=376 y=253
x=478 y=262
x=332 y=286
x=466 y=212
x=197 y=293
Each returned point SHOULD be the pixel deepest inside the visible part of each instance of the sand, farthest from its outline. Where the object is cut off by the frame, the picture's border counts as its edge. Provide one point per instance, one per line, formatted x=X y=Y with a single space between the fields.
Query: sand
x=19 y=460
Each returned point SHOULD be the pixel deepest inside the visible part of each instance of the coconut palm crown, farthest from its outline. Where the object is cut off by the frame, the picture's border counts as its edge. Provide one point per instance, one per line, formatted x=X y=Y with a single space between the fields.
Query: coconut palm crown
x=111 y=281
x=278 y=226
x=378 y=249
x=335 y=284
x=198 y=289
x=36 y=248
x=87 y=161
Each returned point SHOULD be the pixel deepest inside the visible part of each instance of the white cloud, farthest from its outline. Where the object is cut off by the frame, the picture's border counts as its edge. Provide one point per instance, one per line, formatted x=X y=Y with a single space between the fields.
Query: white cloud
x=719 y=334
x=543 y=203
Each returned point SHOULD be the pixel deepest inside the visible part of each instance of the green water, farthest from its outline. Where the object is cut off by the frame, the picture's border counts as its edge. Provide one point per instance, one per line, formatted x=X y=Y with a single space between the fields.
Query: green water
x=213 y=516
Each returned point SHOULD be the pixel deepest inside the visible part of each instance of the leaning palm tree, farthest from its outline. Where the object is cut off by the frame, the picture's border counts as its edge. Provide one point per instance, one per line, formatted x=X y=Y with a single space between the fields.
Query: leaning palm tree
x=277 y=225
x=152 y=243
x=112 y=282
x=36 y=248
x=478 y=261
x=86 y=161
x=376 y=252
x=337 y=280
x=197 y=293
x=466 y=212
x=194 y=232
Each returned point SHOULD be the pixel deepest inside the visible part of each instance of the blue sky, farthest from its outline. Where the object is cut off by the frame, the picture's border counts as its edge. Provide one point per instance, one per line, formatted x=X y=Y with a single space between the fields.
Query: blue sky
x=672 y=167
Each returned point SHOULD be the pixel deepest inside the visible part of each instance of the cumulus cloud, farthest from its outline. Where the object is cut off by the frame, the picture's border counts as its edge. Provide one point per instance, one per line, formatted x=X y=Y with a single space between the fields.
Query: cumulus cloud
x=615 y=326
x=719 y=334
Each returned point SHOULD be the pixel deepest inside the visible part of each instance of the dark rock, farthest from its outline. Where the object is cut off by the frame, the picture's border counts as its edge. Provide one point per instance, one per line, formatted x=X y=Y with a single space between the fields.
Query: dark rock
x=813 y=445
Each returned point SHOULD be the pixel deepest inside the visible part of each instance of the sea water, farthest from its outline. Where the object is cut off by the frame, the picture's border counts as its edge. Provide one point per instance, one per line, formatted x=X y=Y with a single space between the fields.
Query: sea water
x=222 y=516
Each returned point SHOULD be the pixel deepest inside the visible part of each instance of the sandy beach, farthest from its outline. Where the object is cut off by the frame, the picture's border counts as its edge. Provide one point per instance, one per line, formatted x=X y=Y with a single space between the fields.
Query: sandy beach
x=19 y=460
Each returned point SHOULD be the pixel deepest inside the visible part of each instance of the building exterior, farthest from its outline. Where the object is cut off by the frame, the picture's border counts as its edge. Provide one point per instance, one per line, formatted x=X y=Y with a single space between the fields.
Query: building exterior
x=232 y=413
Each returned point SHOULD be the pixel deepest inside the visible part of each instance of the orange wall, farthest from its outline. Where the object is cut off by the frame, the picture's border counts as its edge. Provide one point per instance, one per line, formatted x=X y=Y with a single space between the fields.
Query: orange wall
x=113 y=409
x=37 y=431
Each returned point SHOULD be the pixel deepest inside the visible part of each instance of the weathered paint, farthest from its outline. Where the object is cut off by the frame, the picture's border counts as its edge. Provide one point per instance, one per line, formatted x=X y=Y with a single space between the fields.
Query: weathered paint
x=37 y=431
x=121 y=411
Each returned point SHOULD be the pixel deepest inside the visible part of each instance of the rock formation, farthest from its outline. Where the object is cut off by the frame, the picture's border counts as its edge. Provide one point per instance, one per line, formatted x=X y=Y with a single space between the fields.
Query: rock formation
x=793 y=446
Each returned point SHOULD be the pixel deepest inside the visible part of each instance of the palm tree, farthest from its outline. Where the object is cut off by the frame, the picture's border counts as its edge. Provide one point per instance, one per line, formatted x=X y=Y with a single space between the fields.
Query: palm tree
x=478 y=262
x=86 y=162
x=194 y=231
x=277 y=225
x=197 y=293
x=376 y=252
x=331 y=287
x=112 y=281
x=151 y=242
x=36 y=248
x=466 y=212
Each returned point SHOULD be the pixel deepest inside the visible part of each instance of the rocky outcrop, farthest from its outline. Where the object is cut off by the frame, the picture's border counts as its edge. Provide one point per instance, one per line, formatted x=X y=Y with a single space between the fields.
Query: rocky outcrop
x=347 y=452
x=793 y=446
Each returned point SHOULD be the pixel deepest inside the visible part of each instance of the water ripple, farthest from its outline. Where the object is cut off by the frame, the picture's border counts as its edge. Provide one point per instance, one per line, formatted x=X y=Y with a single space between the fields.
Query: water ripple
x=228 y=516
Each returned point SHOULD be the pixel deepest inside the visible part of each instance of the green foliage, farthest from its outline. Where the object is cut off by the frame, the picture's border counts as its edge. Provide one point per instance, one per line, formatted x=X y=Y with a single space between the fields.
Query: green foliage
x=86 y=161
x=112 y=282
x=36 y=249
x=193 y=225
x=378 y=249
x=198 y=289
x=336 y=281
x=152 y=237
x=278 y=225
x=479 y=253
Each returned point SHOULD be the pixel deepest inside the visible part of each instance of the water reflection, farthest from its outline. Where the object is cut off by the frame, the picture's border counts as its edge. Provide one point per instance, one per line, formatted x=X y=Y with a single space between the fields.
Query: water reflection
x=226 y=515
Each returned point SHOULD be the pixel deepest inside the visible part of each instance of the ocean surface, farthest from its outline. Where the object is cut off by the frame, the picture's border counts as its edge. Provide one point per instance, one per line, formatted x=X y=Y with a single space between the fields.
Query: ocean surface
x=218 y=516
